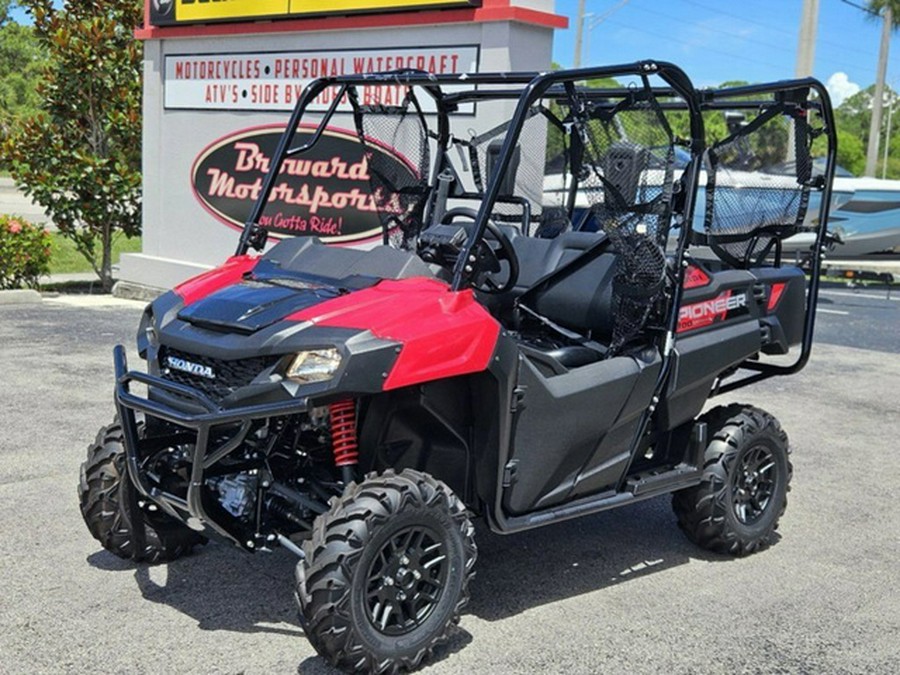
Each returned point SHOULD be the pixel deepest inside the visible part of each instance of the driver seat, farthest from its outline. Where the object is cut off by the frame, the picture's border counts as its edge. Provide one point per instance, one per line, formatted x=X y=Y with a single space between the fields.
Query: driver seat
x=568 y=280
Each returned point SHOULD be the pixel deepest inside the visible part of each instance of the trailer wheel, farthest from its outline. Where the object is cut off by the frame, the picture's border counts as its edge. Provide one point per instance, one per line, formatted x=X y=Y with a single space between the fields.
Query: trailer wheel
x=104 y=493
x=386 y=572
x=746 y=478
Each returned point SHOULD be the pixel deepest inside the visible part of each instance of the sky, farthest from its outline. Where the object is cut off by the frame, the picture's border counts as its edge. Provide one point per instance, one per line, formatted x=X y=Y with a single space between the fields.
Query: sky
x=719 y=40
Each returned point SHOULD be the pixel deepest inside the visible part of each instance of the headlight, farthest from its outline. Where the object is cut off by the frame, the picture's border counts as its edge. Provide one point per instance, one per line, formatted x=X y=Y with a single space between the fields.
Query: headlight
x=315 y=365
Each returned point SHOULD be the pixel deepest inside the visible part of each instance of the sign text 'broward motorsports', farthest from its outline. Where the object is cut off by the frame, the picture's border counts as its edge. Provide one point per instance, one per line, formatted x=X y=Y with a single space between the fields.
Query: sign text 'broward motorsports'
x=174 y=12
x=275 y=80
x=324 y=192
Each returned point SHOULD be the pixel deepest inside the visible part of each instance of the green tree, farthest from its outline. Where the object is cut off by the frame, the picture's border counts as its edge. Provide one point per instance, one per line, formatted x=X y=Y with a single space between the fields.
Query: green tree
x=79 y=157
x=851 y=152
x=21 y=58
x=852 y=119
x=876 y=7
x=888 y=13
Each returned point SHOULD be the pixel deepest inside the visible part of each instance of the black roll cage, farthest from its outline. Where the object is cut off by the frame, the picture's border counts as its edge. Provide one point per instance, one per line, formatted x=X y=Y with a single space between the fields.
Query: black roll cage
x=529 y=88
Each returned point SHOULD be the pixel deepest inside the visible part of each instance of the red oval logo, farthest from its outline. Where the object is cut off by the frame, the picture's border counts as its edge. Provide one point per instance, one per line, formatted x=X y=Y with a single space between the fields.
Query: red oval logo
x=324 y=192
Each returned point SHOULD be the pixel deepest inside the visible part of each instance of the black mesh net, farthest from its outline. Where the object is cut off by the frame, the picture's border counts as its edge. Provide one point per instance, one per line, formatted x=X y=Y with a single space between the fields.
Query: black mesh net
x=637 y=287
x=628 y=173
x=521 y=200
x=628 y=176
x=759 y=180
x=603 y=156
x=399 y=177
x=620 y=155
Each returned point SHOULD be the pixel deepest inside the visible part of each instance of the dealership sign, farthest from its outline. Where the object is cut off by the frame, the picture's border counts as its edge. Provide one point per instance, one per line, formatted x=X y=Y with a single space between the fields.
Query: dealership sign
x=276 y=80
x=173 y=12
x=323 y=192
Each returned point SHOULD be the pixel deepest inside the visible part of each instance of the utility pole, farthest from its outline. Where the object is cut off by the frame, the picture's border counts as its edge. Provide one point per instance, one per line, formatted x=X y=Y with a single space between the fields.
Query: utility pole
x=579 y=33
x=806 y=45
x=806 y=54
x=892 y=98
x=878 y=100
x=595 y=21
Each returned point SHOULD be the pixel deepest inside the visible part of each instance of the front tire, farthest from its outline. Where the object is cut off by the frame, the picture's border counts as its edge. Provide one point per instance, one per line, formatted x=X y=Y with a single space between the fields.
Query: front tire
x=386 y=572
x=746 y=478
x=104 y=494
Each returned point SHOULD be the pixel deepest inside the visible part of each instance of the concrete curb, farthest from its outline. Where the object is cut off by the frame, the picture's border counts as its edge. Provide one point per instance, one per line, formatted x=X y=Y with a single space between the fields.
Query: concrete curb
x=68 y=278
x=24 y=296
x=128 y=290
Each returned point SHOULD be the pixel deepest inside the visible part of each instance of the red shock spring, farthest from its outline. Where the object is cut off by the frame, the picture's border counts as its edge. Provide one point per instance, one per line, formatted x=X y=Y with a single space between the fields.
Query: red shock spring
x=343 y=433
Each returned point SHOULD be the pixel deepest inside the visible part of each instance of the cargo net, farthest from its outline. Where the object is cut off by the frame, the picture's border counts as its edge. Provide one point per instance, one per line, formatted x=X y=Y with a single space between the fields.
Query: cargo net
x=759 y=179
x=621 y=154
x=398 y=179
x=522 y=197
x=626 y=155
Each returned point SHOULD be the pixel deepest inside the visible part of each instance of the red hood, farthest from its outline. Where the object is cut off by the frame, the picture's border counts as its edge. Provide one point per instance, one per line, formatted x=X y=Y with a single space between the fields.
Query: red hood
x=204 y=284
x=444 y=333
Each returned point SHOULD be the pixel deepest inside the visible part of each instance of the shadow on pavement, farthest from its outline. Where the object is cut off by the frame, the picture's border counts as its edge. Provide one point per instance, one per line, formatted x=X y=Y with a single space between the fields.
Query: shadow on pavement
x=223 y=589
x=220 y=588
x=522 y=571
x=316 y=665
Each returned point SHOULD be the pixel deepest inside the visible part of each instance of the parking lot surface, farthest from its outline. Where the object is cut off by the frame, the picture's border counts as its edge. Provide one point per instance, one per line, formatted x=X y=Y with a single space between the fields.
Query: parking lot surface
x=622 y=591
x=866 y=318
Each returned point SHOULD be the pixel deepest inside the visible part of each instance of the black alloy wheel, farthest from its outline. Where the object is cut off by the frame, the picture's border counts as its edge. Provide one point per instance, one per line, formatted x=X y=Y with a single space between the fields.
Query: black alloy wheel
x=743 y=491
x=406 y=580
x=386 y=572
x=753 y=484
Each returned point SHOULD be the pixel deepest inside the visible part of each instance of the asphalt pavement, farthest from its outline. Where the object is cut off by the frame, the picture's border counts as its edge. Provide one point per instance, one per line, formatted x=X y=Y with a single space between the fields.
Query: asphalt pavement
x=621 y=591
x=14 y=202
x=866 y=317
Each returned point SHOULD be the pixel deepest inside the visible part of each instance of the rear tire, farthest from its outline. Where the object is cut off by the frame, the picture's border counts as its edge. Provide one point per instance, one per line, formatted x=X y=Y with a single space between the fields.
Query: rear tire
x=386 y=572
x=746 y=478
x=104 y=493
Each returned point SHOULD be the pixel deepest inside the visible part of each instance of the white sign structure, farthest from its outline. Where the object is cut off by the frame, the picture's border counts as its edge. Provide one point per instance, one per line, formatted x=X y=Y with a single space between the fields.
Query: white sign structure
x=274 y=81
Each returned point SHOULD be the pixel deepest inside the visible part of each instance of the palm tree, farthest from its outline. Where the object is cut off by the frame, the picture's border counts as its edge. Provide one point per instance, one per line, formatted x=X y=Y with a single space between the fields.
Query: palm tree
x=889 y=13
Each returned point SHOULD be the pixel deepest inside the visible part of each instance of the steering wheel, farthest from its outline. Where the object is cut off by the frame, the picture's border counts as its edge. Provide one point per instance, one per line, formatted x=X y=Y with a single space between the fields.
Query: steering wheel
x=487 y=256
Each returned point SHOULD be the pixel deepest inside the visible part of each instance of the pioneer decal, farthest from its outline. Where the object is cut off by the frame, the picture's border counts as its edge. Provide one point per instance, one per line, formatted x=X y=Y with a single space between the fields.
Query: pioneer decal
x=707 y=312
x=324 y=192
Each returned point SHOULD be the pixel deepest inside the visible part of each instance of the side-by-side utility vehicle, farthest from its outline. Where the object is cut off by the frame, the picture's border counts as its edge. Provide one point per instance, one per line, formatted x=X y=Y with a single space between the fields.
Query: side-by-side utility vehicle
x=565 y=267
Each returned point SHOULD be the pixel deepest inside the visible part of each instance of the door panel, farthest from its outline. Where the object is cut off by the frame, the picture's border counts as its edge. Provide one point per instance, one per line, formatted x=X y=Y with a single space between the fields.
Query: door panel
x=561 y=426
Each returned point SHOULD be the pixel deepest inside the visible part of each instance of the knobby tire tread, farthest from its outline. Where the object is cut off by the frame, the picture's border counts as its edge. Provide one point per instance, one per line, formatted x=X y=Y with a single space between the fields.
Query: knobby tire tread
x=100 y=496
x=338 y=538
x=702 y=511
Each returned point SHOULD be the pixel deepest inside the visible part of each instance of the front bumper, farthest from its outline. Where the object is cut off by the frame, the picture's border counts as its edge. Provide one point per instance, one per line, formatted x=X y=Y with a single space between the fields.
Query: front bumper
x=189 y=510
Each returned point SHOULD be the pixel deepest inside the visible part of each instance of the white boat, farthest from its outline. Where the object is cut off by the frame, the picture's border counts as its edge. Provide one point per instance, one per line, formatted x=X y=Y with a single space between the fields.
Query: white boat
x=866 y=217
x=865 y=212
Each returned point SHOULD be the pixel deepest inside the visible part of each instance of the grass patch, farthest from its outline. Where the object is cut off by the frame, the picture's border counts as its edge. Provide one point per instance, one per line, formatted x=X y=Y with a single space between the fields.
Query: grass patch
x=67 y=260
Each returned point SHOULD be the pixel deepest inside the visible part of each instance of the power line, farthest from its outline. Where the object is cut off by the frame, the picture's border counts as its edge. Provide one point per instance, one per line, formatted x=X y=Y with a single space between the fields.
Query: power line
x=595 y=20
x=670 y=38
x=738 y=16
x=865 y=9
x=770 y=27
x=843 y=63
x=720 y=30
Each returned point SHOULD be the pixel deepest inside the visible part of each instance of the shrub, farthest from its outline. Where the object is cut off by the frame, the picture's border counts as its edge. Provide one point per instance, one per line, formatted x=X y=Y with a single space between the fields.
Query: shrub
x=80 y=157
x=24 y=253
